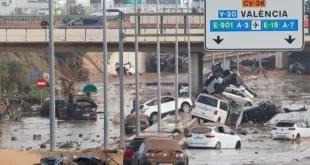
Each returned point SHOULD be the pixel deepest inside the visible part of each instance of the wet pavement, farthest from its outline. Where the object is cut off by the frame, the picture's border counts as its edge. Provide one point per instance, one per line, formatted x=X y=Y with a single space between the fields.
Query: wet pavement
x=69 y=131
x=290 y=91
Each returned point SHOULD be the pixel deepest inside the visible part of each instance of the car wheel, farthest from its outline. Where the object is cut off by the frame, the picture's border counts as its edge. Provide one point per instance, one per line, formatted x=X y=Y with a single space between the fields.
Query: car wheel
x=185 y=107
x=248 y=104
x=238 y=145
x=154 y=117
x=218 y=146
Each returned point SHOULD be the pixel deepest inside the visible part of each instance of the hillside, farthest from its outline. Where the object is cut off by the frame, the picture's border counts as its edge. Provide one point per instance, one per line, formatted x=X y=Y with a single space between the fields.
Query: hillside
x=32 y=61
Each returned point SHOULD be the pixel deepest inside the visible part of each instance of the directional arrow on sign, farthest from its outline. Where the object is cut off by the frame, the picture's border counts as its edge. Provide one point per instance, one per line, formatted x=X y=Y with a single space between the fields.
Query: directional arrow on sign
x=290 y=40
x=218 y=40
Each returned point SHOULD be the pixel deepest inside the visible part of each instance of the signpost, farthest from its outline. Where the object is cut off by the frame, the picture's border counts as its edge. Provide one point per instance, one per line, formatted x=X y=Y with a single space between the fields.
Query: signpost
x=236 y=25
x=41 y=84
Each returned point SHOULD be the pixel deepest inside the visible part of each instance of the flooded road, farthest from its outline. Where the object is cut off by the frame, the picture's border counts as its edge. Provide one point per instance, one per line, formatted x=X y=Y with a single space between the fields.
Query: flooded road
x=289 y=91
x=69 y=131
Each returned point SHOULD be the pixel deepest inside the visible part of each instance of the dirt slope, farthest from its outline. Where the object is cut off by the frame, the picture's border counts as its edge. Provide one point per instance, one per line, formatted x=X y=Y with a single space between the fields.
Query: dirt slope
x=32 y=61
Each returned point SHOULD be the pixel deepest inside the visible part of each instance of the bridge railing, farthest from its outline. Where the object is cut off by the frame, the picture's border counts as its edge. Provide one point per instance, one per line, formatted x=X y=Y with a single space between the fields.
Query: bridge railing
x=94 y=35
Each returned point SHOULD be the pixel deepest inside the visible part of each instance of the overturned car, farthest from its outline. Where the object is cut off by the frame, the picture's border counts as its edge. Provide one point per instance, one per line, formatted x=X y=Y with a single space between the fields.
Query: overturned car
x=219 y=79
x=260 y=113
x=79 y=107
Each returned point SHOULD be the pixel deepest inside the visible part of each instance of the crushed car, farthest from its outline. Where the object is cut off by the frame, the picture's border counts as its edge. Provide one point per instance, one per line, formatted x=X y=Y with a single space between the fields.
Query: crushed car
x=128 y=68
x=238 y=97
x=261 y=113
x=130 y=123
x=219 y=79
x=267 y=63
x=299 y=68
x=78 y=107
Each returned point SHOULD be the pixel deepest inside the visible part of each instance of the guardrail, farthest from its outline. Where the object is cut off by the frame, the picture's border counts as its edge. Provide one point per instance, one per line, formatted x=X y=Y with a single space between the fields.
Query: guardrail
x=94 y=35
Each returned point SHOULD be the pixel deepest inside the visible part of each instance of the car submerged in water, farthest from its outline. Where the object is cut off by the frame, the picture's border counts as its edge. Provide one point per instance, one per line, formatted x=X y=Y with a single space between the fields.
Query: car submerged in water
x=79 y=107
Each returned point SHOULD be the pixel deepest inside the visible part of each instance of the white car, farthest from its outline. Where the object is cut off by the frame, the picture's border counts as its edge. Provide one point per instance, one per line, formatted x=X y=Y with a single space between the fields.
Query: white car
x=149 y=108
x=238 y=97
x=289 y=129
x=211 y=108
x=213 y=136
x=128 y=68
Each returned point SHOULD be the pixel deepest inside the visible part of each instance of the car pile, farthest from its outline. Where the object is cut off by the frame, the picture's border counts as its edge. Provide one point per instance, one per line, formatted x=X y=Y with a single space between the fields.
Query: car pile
x=226 y=99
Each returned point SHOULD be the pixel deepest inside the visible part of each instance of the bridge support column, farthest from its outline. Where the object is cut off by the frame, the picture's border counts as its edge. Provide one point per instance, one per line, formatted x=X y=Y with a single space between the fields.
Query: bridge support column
x=197 y=73
x=281 y=60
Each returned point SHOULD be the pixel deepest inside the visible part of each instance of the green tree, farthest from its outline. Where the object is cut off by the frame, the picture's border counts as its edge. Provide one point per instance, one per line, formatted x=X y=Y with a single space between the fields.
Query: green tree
x=77 y=9
x=13 y=76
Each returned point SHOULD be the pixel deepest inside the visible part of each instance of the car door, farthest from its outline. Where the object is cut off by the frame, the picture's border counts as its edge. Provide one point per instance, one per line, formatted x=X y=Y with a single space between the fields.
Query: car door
x=90 y=22
x=168 y=104
x=223 y=138
x=223 y=111
x=231 y=137
x=77 y=23
x=305 y=129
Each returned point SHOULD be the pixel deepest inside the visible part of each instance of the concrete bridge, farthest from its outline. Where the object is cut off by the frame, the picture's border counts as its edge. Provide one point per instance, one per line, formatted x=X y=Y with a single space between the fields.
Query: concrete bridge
x=90 y=40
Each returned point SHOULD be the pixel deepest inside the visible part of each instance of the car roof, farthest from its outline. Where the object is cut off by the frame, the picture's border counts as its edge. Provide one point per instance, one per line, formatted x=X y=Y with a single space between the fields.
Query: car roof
x=148 y=101
x=215 y=96
x=209 y=125
x=162 y=143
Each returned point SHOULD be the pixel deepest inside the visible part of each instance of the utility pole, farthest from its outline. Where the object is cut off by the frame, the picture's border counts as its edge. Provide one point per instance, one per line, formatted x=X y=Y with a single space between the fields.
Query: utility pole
x=52 y=77
x=176 y=83
x=121 y=80
x=158 y=70
x=137 y=73
x=105 y=79
x=189 y=55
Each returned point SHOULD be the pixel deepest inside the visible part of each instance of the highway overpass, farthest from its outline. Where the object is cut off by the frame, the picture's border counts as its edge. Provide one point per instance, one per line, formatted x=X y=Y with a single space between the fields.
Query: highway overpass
x=90 y=40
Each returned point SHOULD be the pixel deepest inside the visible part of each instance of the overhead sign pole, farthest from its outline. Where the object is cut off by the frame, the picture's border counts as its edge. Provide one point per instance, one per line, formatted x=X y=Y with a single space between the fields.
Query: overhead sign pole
x=105 y=78
x=263 y=25
x=52 y=77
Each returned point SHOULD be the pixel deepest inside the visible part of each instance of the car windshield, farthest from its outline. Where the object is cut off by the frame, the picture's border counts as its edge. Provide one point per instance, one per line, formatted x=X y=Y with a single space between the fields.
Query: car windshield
x=201 y=130
x=73 y=21
x=135 y=143
x=285 y=124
